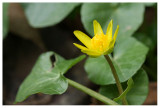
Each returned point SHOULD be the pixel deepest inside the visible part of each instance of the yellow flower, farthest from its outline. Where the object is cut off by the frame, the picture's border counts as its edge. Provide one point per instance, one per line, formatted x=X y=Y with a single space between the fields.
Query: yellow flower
x=100 y=44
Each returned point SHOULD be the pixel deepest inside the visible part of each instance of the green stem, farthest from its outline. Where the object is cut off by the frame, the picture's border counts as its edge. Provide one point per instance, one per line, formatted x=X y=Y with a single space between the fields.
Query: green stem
x=92 y=93
x=119 y=86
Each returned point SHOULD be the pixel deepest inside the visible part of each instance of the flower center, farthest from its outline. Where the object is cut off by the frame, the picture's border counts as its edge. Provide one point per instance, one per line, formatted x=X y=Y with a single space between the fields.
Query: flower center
x=99 y=42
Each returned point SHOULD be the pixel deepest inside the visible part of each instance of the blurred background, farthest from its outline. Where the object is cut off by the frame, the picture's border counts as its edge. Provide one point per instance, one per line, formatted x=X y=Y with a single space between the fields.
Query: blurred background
x=23 y=42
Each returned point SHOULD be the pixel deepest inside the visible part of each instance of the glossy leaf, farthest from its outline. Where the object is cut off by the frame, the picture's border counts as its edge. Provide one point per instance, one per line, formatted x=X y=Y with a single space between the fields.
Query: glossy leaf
x=45 y=79
x=128 y=16
x=47 y=14
x=128 y=57
x=137 y=94
x=5 y=19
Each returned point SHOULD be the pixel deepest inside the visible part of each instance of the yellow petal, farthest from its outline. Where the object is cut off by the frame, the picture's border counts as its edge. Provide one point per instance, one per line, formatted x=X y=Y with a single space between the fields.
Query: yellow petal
x=80 y=46
x=116 y=33
x=114 y=37
x=86 y=40
x=92 y=53
x=97 y=28
x=109 y=31
x=111 y=45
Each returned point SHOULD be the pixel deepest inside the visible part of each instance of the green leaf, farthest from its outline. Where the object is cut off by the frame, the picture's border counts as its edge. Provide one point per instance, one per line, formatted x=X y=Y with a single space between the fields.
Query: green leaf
x=130 y=84
x=64 y=65
x=138 y=93
x=46 y=14
x=128 y=57
x=145 y=39
x=5 y=19
x=128 y=16
x=46 y=79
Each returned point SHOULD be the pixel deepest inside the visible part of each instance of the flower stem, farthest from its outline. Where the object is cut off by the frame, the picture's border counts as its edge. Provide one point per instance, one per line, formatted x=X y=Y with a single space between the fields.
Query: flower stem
x=119 y=86
x=92 y=93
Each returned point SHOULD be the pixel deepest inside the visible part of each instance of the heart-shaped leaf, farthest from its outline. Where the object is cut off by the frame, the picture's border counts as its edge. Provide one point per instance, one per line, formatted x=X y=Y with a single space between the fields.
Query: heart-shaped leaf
x=46 y=79
x=47 y=14
x=129 y=55
x=128 y=16
x=137 y=94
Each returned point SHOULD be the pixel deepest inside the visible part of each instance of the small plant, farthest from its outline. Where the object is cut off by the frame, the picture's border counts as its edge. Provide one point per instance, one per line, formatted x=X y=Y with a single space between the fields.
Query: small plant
x=114 y=57
x=48 y=80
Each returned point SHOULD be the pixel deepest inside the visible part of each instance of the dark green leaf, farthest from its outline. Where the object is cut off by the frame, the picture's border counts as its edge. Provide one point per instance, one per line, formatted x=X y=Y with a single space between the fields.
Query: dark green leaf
x=145 y=39
x=47 y=14
x=128 y=16
x=128 y=57
x=138 y=93
x=5 y=19
x=45 y=79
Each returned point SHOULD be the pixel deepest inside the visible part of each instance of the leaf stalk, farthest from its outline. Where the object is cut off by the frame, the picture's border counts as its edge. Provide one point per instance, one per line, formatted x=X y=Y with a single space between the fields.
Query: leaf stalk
x=92 y=93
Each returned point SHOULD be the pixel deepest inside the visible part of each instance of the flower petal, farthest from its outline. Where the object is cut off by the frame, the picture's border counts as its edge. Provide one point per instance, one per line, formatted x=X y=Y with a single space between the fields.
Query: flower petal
x=111 y=45
x=116 y=33
x=114 y=38
x=92 y=53
x=86 y=40
x=109 y=31
x=97 y=28
x=80 y=46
